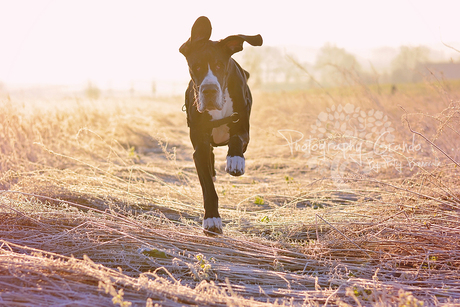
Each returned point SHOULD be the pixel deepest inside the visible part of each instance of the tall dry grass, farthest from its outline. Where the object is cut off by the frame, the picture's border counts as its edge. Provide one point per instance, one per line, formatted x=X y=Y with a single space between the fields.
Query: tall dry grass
x=100 y=204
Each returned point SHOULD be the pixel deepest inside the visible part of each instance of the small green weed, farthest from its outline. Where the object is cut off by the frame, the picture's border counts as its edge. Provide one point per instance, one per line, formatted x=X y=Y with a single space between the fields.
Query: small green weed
x=265 y=219
x=259 y=200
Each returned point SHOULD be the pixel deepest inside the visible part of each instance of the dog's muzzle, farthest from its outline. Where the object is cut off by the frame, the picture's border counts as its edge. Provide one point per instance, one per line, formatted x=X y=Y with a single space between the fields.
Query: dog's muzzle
x=210 y=97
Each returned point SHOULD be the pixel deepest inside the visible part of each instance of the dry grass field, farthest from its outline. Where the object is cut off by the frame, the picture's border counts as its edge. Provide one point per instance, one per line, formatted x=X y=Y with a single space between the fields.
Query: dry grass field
x=100 y=204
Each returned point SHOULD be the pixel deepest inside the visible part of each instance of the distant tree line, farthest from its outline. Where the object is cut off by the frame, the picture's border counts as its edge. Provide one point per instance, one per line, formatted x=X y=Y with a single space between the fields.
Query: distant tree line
x=270 y=67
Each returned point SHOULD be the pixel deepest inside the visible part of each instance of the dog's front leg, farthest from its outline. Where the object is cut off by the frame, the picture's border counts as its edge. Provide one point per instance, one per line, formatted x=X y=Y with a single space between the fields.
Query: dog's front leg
x=235 y=157
x=203 y=158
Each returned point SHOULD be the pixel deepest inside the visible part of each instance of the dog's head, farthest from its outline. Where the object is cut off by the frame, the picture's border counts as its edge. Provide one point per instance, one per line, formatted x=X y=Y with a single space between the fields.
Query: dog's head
x=208 y=62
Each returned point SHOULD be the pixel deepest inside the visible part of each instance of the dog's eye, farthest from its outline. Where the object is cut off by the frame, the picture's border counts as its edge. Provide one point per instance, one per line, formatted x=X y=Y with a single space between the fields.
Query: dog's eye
x=198 y=67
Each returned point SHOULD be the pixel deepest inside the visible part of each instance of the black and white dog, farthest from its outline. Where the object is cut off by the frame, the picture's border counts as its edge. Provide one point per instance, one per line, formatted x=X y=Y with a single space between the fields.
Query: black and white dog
x=218 y=103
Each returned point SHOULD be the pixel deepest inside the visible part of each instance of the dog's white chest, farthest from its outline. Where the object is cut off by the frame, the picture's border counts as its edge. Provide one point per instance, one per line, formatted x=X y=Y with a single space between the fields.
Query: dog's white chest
x=221 y=134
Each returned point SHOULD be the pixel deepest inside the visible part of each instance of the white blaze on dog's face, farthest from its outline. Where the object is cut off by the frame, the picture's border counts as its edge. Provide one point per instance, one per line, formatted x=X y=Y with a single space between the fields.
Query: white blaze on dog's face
x=208 y=74
x=210 y=93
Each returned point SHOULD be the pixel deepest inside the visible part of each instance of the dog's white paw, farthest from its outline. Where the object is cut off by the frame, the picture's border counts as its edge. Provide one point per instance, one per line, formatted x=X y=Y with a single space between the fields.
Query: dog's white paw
x=235 y=165
x=212 y=226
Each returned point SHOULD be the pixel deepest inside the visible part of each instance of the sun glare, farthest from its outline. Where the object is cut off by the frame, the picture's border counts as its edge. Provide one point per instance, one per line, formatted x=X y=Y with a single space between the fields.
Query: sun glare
x=118 y=44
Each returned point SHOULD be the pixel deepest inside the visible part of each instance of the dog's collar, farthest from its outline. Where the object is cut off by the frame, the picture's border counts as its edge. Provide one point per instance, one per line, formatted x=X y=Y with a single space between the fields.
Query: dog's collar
x=232 y=119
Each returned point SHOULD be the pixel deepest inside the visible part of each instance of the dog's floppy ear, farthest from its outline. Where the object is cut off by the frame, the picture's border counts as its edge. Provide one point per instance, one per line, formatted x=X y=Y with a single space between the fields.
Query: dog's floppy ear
x=234 y=43
x=201 y=29
x=201 y=32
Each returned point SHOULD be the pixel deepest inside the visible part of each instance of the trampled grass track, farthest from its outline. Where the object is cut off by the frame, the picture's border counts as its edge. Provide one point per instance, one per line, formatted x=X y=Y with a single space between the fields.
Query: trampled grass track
x=88 y=185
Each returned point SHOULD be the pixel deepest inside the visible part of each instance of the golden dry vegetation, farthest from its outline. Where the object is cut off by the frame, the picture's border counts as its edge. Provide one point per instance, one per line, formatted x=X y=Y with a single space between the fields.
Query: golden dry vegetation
x=100 y=204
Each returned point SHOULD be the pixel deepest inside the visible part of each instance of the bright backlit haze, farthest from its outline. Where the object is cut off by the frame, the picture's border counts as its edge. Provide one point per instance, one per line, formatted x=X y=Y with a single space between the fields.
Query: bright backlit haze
x=116 y=43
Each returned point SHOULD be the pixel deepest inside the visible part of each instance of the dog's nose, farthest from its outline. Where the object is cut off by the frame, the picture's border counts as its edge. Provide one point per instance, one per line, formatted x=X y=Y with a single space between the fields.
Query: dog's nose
x=209 y=89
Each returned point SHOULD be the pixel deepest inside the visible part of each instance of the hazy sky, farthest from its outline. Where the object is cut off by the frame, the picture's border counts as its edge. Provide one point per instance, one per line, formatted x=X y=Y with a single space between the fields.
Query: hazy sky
x=117 y=42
